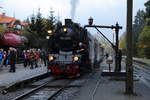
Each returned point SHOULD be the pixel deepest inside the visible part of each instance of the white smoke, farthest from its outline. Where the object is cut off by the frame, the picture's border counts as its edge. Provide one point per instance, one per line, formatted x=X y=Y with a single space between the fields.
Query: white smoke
x=73 y=8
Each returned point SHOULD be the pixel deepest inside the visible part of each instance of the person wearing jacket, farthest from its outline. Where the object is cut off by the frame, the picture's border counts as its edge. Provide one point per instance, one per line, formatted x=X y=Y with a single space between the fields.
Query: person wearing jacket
x=1 y=58
x=13 y=56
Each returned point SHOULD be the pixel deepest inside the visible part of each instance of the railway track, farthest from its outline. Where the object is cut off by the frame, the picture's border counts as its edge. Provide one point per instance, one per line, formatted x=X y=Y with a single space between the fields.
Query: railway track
x=98 y=81
x=95 y=89
x=46 y=91
x=141 y=71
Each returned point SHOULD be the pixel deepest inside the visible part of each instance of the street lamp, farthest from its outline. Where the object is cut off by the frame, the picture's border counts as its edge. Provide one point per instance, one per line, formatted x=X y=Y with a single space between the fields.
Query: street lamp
x=90 y=20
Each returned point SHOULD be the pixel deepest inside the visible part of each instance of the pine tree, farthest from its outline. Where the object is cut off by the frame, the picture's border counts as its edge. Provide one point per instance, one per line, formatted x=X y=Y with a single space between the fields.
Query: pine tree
x=147 y=13
x=51 y=21
x=144 y=42
x=39 y=25
x=37 y=30
x=32 y=25
x=144 y=37
x=138 y=25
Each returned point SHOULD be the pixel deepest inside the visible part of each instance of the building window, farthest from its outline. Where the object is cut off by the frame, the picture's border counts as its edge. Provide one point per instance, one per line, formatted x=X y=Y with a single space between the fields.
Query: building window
x=5 y=25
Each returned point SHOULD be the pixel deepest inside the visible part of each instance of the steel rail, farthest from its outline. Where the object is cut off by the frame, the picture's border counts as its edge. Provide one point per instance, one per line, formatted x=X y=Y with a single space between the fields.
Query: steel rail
x=57 y=92
x=143 y=77
x=31 y=91
x=64 y=87
x=95 y=88
x=61 y=89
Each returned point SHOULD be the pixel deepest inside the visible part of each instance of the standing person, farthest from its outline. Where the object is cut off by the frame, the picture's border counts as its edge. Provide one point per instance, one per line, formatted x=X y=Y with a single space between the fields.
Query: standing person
x=43 y=56
x=119 y=58
x=40 y=59
x=1 y=58
x=8 y=58
x=107 y=55
x=13 y=56
x=36 y=53
x=31 y=58
x=5 y=58
x=28 y=57
x=25 y=58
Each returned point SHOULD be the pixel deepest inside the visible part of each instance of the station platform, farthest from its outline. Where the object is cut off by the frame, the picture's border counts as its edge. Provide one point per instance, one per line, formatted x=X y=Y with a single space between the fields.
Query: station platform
x=7 y=78
x=100 y=87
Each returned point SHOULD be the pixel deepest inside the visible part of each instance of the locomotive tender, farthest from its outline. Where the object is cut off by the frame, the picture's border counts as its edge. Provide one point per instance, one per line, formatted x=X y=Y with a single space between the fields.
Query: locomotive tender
x=73 y=51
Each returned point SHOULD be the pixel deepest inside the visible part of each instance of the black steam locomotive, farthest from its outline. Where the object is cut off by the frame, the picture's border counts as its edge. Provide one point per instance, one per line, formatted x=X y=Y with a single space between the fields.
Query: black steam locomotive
x=72 y=50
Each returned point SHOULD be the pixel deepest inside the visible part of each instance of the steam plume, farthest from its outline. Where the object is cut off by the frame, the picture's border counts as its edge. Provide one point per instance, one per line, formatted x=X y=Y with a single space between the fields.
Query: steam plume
x=73 y=7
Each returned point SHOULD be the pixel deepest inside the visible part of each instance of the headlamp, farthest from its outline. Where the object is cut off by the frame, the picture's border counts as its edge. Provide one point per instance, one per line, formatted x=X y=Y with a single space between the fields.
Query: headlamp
x=51 y=58
x=75 y=58
x=50 y=32
x=65 y=30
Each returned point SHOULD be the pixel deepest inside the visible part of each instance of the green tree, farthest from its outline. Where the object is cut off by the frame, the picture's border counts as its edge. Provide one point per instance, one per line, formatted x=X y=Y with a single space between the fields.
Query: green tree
x=37 y=30
x=147 y=10
x=40 y=25
x=51 y=21
x=144 y=36
x=122 y=42
x=30 y=33
x=138 y=25
x=2 y=29
x=144 y=42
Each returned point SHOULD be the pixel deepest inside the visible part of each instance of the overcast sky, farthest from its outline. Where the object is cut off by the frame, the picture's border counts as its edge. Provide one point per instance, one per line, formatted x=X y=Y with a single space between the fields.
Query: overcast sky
x=104 y=12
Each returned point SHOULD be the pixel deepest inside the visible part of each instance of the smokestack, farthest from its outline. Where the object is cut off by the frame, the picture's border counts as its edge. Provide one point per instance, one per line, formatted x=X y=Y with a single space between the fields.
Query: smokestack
x=73 y=8
x=68 y=22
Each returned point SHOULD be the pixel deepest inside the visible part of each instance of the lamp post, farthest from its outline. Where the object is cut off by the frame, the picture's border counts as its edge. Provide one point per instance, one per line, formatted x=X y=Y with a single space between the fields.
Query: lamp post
x=117 y=68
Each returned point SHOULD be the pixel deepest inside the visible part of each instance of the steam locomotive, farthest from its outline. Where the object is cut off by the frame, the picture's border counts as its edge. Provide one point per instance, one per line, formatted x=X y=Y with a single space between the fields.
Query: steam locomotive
x=73 y=51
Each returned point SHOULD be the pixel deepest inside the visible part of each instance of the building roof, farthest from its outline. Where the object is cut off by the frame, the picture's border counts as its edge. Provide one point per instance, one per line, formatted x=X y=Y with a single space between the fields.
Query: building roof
x=24 y=23
x=7 y=20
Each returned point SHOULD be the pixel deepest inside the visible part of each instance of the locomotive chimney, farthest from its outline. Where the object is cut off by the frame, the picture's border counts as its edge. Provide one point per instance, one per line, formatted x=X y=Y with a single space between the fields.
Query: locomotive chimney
x=68 y=22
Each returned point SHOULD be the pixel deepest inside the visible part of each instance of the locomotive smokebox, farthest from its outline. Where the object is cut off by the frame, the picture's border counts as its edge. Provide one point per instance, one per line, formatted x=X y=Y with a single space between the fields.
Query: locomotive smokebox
x=68 y=22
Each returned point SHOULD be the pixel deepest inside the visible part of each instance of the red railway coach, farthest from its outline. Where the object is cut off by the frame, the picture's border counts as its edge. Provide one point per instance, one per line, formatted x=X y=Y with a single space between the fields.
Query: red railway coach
x=11 y=39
